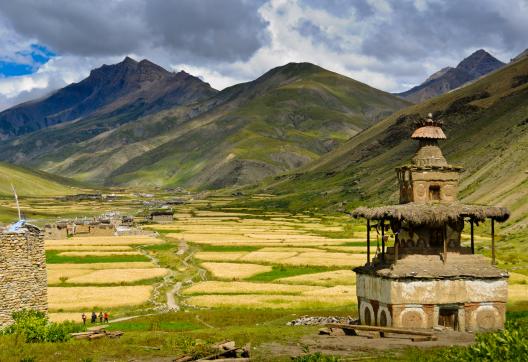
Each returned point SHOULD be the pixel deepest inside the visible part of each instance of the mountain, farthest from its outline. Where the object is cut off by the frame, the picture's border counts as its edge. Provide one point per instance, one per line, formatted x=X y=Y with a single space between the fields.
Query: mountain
x=475 y=66
x=486 y=123
x=520 y=56
x=112 y=90
x=286 y=118
x=33 y=183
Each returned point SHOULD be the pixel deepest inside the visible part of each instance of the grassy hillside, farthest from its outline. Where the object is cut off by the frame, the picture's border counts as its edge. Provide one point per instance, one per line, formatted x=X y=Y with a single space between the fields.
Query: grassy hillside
x=33 y=183
x=284 y=119
x=487 y=128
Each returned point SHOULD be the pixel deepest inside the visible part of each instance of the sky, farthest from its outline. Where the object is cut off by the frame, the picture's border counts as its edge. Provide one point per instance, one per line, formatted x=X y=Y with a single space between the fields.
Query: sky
x=389 y=44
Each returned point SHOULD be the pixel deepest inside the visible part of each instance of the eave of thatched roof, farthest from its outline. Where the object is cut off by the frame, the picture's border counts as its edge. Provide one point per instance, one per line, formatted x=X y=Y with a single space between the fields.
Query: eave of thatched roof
x=432 y=213
x=431 y=132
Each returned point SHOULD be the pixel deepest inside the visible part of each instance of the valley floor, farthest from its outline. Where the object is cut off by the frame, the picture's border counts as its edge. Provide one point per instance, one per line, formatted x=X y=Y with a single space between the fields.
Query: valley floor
x=215 y=273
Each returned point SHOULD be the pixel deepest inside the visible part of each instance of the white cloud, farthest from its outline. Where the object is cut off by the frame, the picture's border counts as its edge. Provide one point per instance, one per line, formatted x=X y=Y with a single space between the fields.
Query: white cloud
x=387 y=44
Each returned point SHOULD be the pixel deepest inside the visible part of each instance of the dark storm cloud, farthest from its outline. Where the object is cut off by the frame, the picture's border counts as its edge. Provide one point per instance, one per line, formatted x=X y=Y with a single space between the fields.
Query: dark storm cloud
x=225 y=30
x=445 y=28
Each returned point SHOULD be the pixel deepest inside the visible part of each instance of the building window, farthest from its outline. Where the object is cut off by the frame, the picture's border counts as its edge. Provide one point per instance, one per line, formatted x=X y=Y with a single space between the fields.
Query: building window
x=434 y=193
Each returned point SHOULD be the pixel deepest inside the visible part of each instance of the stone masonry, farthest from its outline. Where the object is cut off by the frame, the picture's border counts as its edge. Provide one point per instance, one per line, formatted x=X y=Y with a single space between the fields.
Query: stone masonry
x=23 y=278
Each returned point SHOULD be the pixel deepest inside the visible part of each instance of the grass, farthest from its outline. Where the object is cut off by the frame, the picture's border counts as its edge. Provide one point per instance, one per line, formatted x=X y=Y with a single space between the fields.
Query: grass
x=281 y=271
x=227 y=248
x=154 y=325
x=53 y=257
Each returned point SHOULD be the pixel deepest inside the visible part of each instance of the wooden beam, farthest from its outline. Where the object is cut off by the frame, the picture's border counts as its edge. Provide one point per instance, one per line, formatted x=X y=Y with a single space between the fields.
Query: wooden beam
x=471 y=222
x=379 y=329
x=368 y=241
x=492 y=241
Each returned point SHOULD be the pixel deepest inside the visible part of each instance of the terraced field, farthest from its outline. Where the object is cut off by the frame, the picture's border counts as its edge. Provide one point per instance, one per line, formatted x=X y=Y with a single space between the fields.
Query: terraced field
x=279 y=260
x=99 y=273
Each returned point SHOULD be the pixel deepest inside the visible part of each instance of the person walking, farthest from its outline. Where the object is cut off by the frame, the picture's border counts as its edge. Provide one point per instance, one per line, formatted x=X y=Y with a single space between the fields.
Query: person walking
x=84 y=318
x=101 y=317
x=94 y=317
x=106 y=317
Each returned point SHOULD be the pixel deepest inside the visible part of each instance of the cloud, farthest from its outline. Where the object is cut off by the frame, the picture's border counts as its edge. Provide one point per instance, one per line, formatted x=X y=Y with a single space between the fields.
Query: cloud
x=388 y=44
x=189 y=28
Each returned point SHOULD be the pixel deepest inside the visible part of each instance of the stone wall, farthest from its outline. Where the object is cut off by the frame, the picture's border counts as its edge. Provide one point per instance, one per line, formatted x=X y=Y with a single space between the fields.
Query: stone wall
x=476 y=304
x=23 y=278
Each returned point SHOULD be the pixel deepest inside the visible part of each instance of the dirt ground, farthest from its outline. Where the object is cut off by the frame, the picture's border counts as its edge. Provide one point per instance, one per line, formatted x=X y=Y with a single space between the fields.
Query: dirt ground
x=357 y=346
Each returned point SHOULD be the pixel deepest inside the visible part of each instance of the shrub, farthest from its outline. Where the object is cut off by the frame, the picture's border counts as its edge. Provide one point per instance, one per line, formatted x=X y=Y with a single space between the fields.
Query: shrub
x=34 y=327
x=316 y=357
x=511 y=344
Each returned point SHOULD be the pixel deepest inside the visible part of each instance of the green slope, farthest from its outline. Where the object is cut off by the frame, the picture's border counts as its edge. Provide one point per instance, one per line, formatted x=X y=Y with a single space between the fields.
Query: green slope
x=487 y=127
x=283 y=120
x=286 y=118
x=32 y=183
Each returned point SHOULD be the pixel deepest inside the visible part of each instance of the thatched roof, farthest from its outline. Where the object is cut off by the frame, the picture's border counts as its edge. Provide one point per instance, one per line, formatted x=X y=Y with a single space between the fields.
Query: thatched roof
x=432 y=214
x=418 y=266
x=431 y=132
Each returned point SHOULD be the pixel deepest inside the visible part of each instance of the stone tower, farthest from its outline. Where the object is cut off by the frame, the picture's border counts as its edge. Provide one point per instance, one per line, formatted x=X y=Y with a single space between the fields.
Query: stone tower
x=429 y=178
x=427 y=278
x=23 y=278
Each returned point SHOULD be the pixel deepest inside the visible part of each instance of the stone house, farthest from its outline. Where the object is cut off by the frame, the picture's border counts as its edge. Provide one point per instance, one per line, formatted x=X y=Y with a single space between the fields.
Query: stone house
x=162 y=215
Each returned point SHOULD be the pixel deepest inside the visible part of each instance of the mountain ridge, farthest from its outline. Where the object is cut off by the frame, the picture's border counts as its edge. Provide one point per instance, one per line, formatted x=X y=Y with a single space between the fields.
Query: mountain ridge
x=486 y=123
x=287 y=117
x=106 y=90
x=470 y=68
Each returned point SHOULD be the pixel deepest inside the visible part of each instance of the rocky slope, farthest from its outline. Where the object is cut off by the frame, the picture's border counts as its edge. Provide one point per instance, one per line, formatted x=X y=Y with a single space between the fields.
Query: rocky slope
x=129 y=86
x=286 y=118
x=486 y=124
x=473 y=67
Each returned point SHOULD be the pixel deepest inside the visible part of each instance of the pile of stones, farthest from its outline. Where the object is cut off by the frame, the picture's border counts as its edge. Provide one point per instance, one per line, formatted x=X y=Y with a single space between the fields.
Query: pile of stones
x=321 y=321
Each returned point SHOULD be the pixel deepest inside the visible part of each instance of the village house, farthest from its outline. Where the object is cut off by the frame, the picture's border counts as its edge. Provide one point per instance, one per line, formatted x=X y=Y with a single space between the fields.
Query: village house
x=426 y=278
x=161 y=215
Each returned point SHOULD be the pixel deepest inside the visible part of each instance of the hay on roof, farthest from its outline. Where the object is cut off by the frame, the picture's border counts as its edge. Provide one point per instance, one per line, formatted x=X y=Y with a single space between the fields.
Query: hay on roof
x=431 y=132
x=432 y=214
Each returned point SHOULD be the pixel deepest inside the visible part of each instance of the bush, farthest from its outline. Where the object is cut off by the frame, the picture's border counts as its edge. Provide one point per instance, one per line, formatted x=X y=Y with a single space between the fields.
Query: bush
x=511 y=344
x=34 y=327
x=316 y=357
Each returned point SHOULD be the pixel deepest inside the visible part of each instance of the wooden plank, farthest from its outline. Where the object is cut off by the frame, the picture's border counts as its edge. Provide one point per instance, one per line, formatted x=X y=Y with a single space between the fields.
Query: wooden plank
x=379 y=329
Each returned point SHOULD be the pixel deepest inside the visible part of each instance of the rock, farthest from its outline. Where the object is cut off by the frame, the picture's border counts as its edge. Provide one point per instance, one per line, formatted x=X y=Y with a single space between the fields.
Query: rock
x=313 y=321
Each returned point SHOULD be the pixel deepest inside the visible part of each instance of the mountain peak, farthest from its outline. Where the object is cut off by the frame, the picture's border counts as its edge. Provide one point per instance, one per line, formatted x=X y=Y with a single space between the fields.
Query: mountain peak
x=479 y=63
x=128 y=60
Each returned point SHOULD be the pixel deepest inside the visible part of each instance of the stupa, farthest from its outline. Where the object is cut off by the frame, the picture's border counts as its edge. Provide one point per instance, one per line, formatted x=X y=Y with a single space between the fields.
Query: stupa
x=427 y=278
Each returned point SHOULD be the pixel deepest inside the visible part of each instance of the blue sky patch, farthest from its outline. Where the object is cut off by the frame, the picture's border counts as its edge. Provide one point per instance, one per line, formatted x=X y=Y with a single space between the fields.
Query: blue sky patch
x=29 y=62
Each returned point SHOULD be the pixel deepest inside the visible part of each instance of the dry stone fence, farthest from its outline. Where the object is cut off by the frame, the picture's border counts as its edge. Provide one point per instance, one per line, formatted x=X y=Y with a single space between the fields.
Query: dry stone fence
x=23 y=278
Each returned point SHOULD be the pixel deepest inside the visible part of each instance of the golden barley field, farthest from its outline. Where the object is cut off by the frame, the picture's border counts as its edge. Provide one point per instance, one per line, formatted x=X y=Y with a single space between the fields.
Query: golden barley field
x=271 y=301
x=105 y=240
x=77 y=298
x=235 y=287
x=112 y=276
x=234 y=271
x=330 y=278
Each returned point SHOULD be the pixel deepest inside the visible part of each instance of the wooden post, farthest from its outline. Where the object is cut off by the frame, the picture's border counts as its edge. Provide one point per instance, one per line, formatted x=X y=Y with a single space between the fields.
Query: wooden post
x=445 y=242
x=368 y=241
x=492 y=241
x=472 y=236
x=396 y=244
x=383 y=240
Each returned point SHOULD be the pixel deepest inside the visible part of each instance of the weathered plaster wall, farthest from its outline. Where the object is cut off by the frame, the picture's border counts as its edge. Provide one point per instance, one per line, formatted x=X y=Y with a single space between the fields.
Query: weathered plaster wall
x=391 y=291
x=23 y=279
